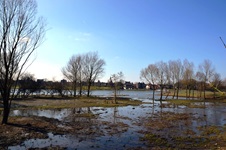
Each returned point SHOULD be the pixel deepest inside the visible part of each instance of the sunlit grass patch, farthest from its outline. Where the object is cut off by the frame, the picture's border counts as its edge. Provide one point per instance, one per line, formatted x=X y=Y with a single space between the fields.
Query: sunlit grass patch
x=197 y=94
x=74 y=103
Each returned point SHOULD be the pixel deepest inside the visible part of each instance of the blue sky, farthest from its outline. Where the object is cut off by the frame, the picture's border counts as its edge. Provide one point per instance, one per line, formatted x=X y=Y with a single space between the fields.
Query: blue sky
x=131 y=34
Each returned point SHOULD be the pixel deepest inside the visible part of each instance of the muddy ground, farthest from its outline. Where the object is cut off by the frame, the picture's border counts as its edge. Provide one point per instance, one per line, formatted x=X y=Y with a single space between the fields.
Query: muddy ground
x=22 y=128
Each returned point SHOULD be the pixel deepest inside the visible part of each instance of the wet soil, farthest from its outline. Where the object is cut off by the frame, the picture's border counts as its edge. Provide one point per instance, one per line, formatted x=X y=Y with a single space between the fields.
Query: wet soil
x=159 y=129
x=169 y=130
x=21 y=128
x=80 y=124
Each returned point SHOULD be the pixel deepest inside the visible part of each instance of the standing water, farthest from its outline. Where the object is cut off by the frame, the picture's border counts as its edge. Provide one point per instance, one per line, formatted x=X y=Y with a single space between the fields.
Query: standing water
x=116 y=127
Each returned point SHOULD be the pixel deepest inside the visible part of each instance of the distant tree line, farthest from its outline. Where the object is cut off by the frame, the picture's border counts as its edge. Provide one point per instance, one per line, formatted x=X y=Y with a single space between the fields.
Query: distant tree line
x=182 y=75
x=29 y=86
x=174 y=75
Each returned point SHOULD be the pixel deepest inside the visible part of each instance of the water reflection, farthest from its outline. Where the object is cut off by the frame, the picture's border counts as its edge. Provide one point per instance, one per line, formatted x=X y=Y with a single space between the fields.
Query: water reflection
x=146 y=95
x=116 y=127
x=213 y=114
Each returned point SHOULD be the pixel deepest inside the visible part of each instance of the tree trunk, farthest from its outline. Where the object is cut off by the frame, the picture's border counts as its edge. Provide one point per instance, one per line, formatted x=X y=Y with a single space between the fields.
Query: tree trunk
x=153 y=93
x=189 y=93
x=5 y=115
x=80 y=88
x=75 y=87
x=193 y=94
x=186 y=91
x=115 y=93
x=204 y=88
x=88 y=90
x=174 y=92
x=178 y=87
x=161 y=94
x=153 y=96
x=6 y=110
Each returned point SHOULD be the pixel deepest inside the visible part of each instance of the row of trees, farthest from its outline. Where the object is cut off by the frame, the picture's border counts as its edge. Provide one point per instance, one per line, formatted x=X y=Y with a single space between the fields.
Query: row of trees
x=88 y=68
x=176 y=72
x=27 y=85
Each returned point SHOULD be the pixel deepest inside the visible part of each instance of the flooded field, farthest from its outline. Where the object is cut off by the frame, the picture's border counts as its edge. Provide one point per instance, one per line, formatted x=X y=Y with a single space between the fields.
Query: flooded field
x=192 y=124
x=127 y=127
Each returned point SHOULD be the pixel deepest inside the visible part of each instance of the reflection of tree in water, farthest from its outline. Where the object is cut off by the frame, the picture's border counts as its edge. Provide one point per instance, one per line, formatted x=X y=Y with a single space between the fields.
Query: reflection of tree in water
x=83 y=122
x=114 y=123
x=115 y=114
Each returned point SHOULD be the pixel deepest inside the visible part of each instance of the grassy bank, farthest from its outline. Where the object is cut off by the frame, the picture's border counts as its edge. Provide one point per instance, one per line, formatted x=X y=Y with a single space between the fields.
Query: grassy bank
x=197 y=94
x=42 y=103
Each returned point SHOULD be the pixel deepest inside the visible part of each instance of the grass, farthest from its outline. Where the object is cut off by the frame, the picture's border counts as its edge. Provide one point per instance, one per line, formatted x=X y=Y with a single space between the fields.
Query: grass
x=209 y=94
x=196 y=103
x=74 y=103
x=163 y=131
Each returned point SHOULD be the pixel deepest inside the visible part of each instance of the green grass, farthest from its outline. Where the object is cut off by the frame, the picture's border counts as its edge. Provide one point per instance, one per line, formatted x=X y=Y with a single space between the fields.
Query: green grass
x=74 y=103
x=209 y=94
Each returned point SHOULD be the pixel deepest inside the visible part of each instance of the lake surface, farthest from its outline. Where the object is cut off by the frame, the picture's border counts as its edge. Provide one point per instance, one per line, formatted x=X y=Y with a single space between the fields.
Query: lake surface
x=133 y=94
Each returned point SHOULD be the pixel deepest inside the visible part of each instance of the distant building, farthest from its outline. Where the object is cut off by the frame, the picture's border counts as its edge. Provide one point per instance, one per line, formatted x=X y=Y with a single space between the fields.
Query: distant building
x=40 y=80
x=152 y=86
x=148 y=86
x=128 y=85
x=100 y=84
x=140 y=85
x=63 y=81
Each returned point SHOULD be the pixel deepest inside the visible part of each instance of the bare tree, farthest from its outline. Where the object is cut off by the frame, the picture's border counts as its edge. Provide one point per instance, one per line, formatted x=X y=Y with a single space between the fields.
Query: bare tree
x=116 y=80
x=27 y=84
x=171 y=65
x=93 y=68
x=179 y=74
x=162 y=77
x=188 y=75
x=215 y=81
x=175 y=72
x=200 y=77
x=150 y=75
x=208 y=70
x=168 y=75
x=20 y=34
x=73 y=71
